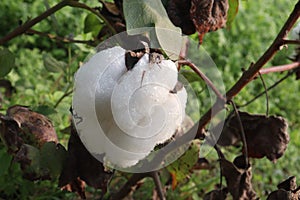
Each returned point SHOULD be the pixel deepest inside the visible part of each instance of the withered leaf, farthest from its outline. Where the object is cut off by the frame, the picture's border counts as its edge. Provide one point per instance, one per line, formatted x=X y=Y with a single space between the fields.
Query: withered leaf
x=289 y=184
x=208 y=15
x=81 y=164
x=29 y=159
x=216 y=194
x=287 y=190
x=77 y=186
x=10 y=134
x=202 y=163
x=265 y=136
x=179 y=13
x=37 y=128
x=238 y=178
x=281 y=195
x=9 y=89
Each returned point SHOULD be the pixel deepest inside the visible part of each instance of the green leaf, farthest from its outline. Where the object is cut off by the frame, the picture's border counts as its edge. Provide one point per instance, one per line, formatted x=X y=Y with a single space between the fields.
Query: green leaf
x=5 y=160
x=33 y=155
x=181 y=167
x=7 y=61
x=92 y=24
x=142 y=14
x=53 y=65
x=44 y=110
x=232 y=11
x=52 y=158
x=190 y=76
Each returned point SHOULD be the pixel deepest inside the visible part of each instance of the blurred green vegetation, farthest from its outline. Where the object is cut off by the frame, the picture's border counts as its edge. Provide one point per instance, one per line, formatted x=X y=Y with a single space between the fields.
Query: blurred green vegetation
x=253 y=30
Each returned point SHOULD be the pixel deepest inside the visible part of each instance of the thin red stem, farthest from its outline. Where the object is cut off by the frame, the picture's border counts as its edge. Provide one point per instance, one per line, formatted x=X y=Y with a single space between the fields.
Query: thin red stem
x=203 y=77
x=280 y=68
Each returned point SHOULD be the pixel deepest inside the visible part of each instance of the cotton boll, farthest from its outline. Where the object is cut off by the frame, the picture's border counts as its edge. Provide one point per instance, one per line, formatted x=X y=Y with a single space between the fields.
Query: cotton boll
x=122 y=113
x=115 y=68
x=86 y=81
x=143 y=106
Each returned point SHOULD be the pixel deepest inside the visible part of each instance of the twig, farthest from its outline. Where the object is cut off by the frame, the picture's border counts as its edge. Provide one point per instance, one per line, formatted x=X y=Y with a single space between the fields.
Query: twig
x=221 y=156
x=73 y=3
x=297 y=42
x=157 y=182
x=242 y=133
x=62 y=97
x=268 y=89
x=203 y=77
x=27 y=25
x=77 y=4
x=266 y=92
x=58 y=38
x=251 y=73
x=280 y=68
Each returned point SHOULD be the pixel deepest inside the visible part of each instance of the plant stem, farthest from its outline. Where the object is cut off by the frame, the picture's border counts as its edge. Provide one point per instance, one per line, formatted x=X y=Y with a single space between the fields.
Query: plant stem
x=280 y=68
x=203 y=77
x=77 y=4
x=61 y=39
x=27 y=25
x=73 y=3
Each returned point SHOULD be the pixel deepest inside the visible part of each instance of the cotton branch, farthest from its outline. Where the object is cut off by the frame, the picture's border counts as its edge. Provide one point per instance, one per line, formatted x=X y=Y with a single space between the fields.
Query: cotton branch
x=280 y=68
x=61 y=39
x=73 y=3
x=297 y=42
x=27 y=25
x=203 y=77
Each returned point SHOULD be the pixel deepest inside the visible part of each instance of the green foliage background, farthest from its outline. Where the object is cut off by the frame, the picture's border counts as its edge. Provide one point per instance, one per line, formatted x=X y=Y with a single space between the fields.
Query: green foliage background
x=41 y=88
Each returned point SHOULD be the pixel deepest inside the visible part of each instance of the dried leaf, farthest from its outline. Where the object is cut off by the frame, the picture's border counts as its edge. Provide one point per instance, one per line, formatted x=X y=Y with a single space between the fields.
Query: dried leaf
x=9 y=89
x=29 y=159
x=10 y=134
x=208 y=15
x=238 y=178
x=265 y=136
x=202 y=164
x=216 y=195
x=179 y=13
x=281 y=195
x=287 y=190
x=289 y=184
x=37 y=128
x=81 y=164
x=77 y=186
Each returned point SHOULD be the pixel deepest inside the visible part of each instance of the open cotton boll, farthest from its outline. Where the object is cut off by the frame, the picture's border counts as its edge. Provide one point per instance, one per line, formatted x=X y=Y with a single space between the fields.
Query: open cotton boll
x=143 y=107
x=85 y=96
x=114 y=68
x=123 y=114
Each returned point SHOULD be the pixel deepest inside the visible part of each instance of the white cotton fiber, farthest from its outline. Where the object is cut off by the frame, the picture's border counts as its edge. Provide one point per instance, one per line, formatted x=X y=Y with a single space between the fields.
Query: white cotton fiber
x=133 y=109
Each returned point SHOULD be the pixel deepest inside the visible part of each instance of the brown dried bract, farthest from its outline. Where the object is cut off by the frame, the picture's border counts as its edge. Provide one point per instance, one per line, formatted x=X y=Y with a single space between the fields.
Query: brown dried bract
x=81 y=165
x=216 y=195
x=265 y=136
x=208 y=15
x=36 y=127
x=179 y=14
x=287 y=190
x=238 y=178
